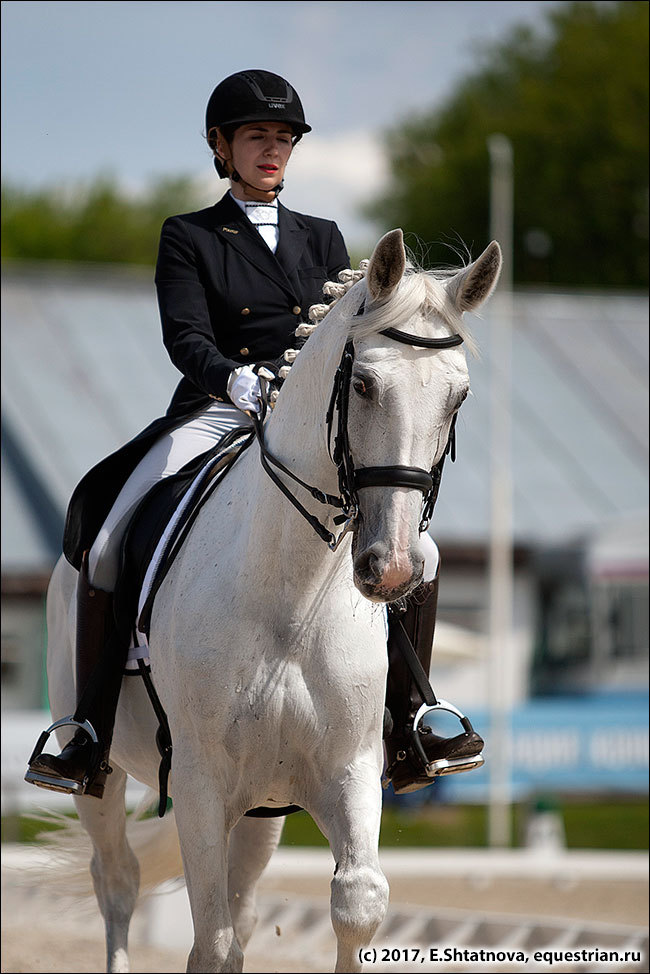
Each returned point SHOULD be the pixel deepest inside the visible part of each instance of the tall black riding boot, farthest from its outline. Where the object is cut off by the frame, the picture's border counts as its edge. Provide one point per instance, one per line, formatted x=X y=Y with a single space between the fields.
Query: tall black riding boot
x=411 y=765
x=82 y=766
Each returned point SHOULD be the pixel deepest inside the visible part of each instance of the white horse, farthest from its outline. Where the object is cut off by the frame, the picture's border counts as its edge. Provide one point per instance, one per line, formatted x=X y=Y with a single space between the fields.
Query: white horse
x=268 y=649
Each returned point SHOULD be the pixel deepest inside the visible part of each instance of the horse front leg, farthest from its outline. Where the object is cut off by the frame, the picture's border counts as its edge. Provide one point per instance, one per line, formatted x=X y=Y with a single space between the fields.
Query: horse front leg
x=201 y=820
x=350 y=817
x=114 y=867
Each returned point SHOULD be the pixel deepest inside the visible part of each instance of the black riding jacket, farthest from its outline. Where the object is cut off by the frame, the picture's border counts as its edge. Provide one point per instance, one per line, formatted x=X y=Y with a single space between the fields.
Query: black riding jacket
x=227 y=300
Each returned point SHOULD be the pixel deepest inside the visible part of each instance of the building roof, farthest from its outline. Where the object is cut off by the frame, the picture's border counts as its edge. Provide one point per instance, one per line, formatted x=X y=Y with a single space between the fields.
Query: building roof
x=84 y=368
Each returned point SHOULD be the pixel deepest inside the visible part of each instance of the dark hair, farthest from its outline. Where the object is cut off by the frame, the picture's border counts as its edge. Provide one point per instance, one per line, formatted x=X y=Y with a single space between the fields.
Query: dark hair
x=228 y=132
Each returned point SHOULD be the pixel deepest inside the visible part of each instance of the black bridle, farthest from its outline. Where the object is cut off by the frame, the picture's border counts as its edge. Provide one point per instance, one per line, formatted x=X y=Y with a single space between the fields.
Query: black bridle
x=351 y=480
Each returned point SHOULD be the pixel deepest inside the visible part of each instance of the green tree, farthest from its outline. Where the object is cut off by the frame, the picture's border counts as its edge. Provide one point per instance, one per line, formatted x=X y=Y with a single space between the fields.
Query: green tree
x=97 y=222
x=573 y=99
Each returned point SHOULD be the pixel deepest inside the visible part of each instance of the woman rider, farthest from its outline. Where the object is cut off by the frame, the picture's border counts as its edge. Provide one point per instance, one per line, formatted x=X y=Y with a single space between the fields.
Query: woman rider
x=233 y=283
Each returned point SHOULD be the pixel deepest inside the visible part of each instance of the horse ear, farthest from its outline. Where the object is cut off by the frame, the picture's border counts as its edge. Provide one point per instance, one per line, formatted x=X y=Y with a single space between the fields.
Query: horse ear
x=476 y=282
x=387 y=266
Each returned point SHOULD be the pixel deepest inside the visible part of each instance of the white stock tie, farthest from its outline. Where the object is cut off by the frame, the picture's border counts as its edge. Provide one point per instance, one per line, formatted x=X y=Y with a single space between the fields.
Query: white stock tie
x=265 y=217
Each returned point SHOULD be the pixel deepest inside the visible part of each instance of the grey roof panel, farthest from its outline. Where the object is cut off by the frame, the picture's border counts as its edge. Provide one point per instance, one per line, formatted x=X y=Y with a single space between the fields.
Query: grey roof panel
x=83 y=369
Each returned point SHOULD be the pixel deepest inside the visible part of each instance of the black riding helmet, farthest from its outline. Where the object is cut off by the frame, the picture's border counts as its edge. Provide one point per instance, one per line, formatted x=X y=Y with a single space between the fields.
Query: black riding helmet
x=254 y=96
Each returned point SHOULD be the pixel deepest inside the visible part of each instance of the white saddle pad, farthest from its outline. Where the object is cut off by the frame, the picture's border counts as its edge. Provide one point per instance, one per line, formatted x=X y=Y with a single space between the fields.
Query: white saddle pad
x=139 y=649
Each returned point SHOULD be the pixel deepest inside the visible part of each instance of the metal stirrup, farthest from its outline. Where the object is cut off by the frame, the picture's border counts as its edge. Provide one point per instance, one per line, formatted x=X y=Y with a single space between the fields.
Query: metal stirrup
x=66 y=785
x=442 y=766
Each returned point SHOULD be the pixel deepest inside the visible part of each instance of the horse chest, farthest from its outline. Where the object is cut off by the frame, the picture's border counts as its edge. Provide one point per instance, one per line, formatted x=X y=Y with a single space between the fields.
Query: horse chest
x=290 y=707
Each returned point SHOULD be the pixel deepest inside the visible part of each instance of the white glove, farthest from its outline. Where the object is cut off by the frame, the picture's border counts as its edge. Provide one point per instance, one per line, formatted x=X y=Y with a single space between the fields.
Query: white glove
x=244 y=390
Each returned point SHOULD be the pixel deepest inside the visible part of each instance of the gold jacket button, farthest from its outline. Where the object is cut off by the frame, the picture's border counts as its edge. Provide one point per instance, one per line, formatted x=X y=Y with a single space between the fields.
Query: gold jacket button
x=244 y=351
x=245 y=311
x=296 y=310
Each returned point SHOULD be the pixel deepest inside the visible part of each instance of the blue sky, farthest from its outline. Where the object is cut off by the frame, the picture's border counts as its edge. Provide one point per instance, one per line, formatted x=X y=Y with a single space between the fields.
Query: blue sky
x=121 y=87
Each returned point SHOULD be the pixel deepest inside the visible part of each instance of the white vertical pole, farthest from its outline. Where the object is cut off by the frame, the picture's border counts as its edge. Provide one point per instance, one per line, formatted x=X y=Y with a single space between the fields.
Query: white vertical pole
x=501 y=541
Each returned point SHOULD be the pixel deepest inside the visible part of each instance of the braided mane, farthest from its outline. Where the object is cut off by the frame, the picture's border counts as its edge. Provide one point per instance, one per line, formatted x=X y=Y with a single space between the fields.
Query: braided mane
x=331 y=289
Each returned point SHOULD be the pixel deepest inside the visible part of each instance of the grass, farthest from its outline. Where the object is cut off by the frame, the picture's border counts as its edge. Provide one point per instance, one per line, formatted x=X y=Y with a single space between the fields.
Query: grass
x=603 y=824
x=20 y=828
x=619 y=826
x=609 y=824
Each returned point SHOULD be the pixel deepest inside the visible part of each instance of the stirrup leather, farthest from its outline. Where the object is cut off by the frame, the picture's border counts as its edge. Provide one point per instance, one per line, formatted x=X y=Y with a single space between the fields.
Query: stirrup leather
x=69 y=786
x=439 y=766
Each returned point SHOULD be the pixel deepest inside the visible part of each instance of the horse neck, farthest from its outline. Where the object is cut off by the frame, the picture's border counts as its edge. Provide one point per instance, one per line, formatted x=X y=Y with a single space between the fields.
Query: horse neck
x=296 y=435
x=296 y=432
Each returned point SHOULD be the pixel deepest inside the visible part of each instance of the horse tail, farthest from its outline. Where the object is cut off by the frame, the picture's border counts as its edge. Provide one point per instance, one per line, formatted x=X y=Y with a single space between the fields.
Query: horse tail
x=156 y=845
x=61 y=860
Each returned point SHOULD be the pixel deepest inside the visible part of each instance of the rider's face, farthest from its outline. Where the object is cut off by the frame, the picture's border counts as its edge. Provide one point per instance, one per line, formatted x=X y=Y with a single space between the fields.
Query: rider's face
x=259 y=152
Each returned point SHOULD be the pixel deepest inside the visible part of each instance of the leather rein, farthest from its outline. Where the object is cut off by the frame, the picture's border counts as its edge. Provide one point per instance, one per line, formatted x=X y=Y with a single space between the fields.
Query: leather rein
x=351 y=480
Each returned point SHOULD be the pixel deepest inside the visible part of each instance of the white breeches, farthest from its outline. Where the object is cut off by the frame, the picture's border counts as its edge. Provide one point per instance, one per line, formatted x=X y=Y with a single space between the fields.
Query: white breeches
x=166 y=457
x=431 y=557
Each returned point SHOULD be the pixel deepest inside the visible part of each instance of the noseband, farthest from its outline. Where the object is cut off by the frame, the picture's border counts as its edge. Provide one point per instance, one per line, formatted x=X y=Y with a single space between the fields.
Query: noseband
x=351 y=480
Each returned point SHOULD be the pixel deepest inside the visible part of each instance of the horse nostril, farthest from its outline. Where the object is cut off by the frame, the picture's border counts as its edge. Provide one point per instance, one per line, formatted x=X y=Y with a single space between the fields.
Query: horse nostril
x=370 y=564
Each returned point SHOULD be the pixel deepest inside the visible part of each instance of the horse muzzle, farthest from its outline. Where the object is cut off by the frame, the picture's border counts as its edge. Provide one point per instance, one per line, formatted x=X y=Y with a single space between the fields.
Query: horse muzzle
x=383 y=574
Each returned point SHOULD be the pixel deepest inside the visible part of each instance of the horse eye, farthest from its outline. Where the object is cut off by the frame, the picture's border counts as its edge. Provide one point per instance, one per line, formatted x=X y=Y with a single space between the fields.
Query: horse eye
x=360 y=387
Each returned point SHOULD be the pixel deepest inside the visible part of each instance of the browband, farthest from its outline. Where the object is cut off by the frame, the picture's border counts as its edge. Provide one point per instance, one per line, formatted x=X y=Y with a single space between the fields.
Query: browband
x=406 y=339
